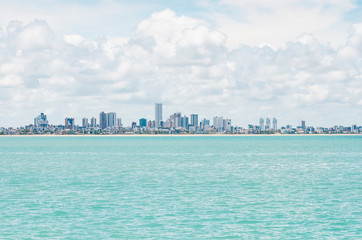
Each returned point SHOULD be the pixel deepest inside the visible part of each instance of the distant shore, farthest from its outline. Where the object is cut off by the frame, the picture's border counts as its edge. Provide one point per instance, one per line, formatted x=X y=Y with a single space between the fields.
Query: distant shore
x=179 y=135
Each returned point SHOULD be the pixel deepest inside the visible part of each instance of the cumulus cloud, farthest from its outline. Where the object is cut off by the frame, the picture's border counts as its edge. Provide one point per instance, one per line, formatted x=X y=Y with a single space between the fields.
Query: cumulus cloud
x=183 y=62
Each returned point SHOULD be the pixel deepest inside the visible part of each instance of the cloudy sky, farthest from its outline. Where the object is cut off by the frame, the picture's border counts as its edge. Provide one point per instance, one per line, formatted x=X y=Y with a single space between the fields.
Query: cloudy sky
x=241 y=59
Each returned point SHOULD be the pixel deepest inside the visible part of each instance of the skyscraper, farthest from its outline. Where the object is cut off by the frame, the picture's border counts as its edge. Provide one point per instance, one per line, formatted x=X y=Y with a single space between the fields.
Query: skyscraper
x=41 y=121
x=261 y=124
x=102 y=120
x=218 y=123
x=194 y=120
x=303 y=124
x=185 y=122
x=143 y=122
x=85 y=122
x=267 y=124
x=177 y=120
x=69 y=123
x=158 y=114
x=111 y=119
x=205 y=124
x=93 y=122
x=275 y=124
x=227 y=124
x=119 y=122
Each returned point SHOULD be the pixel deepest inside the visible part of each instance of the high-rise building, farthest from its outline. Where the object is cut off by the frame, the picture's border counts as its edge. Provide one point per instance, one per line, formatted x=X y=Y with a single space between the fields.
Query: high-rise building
x=93 y=122
x=41 y=121
x=194 y=120
x=119 y=122
x=102 y=120
x=143 y=122
x=177 y=120
x=261 y=124
x=158 y=114
x=167 y=123
x=354 y=128
x=69 y=123
x=205 y=124
x=302 y=124
x=218 y=123
x=111 y=119
x=267 y=124
x=85 y=122
x=275 y=124
x=185 y=122
x=227 y=124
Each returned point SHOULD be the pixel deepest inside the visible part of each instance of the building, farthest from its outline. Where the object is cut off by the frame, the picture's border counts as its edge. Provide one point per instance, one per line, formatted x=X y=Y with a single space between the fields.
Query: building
x=69 y=123
x=185 y=122
x=175 y=120
x=167 y=123
x=85 y=122
x=205 y=124
x=143 y=122
x=194 y=120
x=93 y=123
x=119 y=122
x=111 y=120
x=302 y=124
x=150 y=124
x=102 y=120
x=158 y=114
x=41 y=121
x=267 y=124
x=275 y=124
x=218 y=123
x=227 y=125
x=261 y=124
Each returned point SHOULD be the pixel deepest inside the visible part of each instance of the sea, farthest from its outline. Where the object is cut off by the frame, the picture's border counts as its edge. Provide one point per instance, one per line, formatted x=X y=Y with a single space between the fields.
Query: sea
x=181 y=187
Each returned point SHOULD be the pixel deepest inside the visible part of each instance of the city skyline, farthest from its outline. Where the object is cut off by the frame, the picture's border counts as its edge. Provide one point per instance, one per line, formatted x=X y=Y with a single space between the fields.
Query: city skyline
x=241 y=59
x=103 y=119
x=109 y=120
x=109 y=124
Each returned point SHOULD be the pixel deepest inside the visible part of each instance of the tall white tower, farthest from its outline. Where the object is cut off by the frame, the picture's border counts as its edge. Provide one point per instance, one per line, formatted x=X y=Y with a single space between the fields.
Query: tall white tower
x=111 y=119
x=275 y=124
x=158 y=114
x=261 y=123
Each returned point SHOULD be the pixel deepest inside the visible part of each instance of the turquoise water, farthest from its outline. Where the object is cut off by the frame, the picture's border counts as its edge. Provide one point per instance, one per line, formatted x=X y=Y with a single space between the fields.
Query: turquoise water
x=270 y=187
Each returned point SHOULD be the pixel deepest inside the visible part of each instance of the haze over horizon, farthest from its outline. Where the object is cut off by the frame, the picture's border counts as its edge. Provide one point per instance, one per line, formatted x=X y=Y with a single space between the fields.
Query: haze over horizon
x=242 y=60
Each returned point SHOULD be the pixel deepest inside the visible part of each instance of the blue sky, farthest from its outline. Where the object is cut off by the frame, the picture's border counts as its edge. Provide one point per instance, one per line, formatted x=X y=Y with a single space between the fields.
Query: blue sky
x=240 y=59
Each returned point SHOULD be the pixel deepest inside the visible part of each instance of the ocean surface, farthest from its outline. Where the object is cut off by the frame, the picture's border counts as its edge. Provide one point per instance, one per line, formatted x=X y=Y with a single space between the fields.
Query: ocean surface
x=204 y=187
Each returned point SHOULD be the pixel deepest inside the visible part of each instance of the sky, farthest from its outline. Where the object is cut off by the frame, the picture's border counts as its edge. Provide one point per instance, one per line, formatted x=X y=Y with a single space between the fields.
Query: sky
x=240 y=59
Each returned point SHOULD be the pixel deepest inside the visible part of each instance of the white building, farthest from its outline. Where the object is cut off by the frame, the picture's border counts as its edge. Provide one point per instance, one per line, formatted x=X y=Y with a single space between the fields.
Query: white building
x=218 y=123
x=227 y=124
x=85 y=122
x=119 y=122
x=261 y=124
x=267 y=124
x=93 y=122
x=111 y=120
x=275 y=124
x=41 y=121
x=158 y=114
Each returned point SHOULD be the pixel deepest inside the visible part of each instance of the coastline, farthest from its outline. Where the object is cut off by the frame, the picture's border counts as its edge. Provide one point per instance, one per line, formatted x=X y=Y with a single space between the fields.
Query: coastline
x=181 y=135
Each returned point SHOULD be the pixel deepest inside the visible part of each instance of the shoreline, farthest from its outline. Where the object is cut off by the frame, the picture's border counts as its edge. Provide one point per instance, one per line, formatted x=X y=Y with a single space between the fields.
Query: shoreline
x=182 y=135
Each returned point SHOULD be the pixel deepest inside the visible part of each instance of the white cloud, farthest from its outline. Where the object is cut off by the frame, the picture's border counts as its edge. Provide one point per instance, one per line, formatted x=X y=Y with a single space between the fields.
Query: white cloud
x=256 y=22
x=183 y=62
